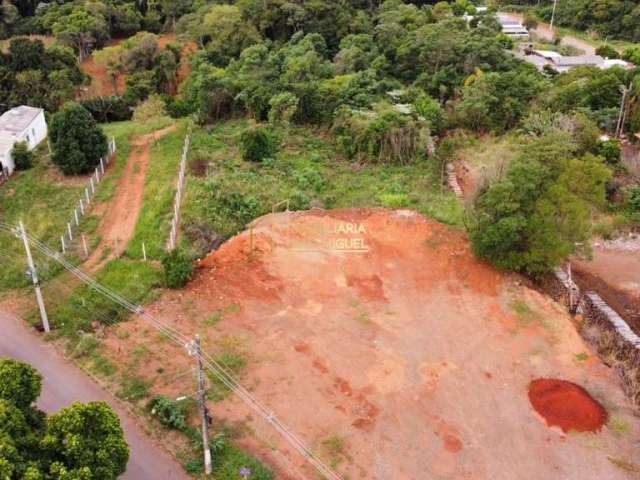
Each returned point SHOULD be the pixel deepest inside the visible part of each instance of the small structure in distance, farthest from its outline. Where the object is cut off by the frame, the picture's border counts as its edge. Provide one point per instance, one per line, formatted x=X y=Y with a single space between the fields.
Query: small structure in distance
x=20 y=124
x=560 y=63
x=512 y=27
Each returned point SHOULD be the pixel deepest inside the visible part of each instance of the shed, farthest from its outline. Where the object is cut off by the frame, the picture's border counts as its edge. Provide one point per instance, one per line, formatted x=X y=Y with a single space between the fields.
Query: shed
x=20 y=124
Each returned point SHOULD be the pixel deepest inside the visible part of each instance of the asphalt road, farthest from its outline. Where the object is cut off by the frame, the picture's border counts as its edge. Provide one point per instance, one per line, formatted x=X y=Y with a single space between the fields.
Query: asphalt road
x=64 y=383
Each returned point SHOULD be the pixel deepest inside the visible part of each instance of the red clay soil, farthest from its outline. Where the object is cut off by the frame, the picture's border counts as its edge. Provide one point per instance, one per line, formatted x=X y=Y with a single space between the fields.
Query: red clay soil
x=408 y=349
x=566 y=405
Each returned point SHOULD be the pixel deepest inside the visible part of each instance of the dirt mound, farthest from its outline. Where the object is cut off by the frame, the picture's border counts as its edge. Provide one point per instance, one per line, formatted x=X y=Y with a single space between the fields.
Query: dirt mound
x=566 y=405
x=379 y=331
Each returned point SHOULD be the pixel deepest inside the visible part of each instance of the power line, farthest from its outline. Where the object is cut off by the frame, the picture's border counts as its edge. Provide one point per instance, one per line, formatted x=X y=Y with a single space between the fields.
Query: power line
x=209 y=362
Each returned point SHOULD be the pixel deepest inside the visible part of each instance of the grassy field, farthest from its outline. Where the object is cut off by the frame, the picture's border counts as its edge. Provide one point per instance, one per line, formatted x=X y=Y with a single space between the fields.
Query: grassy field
x=154 y=222
x=44 y=199
x=224 y=192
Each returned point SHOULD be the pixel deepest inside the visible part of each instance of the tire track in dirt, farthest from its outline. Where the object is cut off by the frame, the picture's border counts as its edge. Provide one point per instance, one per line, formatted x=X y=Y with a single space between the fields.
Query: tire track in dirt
x=121 y=214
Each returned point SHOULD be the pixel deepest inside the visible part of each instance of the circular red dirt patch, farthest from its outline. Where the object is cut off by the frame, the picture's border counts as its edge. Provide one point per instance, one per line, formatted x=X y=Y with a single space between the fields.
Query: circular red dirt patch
x=566 y=405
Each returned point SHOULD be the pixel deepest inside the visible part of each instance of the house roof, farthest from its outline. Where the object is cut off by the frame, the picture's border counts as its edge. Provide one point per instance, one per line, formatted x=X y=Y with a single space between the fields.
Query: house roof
x=579 y=60
x=18 y=119
x=547 y=53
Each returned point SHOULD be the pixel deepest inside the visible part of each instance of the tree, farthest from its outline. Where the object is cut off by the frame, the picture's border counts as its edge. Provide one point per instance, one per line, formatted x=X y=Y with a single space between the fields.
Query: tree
x=607 y=51
x=81 y=30
x=25 y=54
x=20 y=383
x=81 y=442
x=86 y=439
x=532 y=219
x=78 y=142
x=22 y=156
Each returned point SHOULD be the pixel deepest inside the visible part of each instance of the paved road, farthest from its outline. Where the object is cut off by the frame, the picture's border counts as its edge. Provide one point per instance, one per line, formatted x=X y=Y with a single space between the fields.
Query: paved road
x=64 y=383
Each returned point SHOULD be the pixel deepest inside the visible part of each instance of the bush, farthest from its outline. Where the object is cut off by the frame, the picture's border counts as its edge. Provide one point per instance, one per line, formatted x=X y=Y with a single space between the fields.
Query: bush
x=77 y=140
x=22 y=156
x=152 y=107
x=610 y=151
x=107 y=109
x=178 y=269
x=607 y=51
x=259 y=143
x=384 y=135
x=229 y=462
x=170 y=413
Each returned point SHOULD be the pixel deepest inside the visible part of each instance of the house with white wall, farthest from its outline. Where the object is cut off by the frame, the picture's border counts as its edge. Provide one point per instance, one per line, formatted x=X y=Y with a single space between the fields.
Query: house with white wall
x=20 y=124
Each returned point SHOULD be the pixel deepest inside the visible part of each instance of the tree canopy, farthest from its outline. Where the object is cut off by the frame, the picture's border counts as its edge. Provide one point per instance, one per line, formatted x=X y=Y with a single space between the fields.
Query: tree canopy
x=83 y=441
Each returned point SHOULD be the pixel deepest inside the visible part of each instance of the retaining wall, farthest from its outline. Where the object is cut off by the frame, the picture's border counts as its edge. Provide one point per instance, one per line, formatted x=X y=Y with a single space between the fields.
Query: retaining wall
x=604 y=329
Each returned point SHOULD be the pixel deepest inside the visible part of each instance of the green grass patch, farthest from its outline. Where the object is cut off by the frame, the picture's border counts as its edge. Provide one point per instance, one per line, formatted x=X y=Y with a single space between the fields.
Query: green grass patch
x=132 y=279
x=133 y=388
x=306 y=172
x=44 y=200
x=154 y=222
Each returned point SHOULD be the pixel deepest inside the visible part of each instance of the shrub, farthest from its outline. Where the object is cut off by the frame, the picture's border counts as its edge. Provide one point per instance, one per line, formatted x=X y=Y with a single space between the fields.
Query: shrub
x=170 y=413
x=178 y=269
x=107 y=109
x=384 y=135
x=22 y=156
x=259 y=143
x=152 y=107
x=610 y=151
x=607 y=51
x=283 y=108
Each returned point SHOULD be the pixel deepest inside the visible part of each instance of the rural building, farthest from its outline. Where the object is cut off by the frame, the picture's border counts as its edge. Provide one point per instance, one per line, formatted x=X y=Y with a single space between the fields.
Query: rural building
x=20 y=124
x=560 y=63
x=512 y=27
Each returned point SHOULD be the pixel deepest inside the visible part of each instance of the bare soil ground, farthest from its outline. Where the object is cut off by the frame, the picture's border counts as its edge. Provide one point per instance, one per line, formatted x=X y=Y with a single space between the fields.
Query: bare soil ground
x=615 y=275
x=120 y=217
x=380 y=339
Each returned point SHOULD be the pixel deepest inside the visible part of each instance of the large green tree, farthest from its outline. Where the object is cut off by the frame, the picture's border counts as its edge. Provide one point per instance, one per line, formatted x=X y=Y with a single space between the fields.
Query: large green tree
x=78 y=142
x=540 y=212
x=81 y=442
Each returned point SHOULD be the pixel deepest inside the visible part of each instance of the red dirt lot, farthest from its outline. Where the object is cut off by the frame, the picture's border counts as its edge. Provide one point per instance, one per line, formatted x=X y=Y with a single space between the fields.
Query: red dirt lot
x=378 y=331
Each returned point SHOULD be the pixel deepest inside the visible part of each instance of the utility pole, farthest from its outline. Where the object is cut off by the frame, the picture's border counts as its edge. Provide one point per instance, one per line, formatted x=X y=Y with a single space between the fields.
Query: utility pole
x=202 y=398
x=623 y=114
x=34 y=278
x=553 y=15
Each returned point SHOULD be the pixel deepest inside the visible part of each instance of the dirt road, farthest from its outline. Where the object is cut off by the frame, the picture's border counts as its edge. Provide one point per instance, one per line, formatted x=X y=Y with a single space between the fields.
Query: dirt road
x=64 y=384
x=119 y=221
x=543 y=31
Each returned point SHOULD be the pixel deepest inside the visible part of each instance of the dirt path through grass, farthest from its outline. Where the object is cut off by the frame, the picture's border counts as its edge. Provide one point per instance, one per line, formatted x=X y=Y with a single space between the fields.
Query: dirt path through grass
x=119 y=222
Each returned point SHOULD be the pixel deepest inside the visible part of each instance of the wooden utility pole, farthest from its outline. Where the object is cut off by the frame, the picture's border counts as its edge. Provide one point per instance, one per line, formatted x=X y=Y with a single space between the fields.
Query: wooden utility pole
x=202 y=398
x=34 y=278
x=622 y=116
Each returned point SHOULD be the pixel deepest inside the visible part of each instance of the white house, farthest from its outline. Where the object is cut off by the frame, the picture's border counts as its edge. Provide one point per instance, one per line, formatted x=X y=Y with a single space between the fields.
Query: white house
x=20 y=124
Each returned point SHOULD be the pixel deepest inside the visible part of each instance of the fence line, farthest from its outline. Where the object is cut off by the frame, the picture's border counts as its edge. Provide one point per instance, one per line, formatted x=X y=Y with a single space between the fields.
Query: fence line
x=175 y=222
x=85 y=199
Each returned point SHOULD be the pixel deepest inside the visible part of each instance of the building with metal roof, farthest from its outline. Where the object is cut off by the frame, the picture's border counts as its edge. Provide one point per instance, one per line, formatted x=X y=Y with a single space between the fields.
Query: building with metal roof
x=20 y=124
